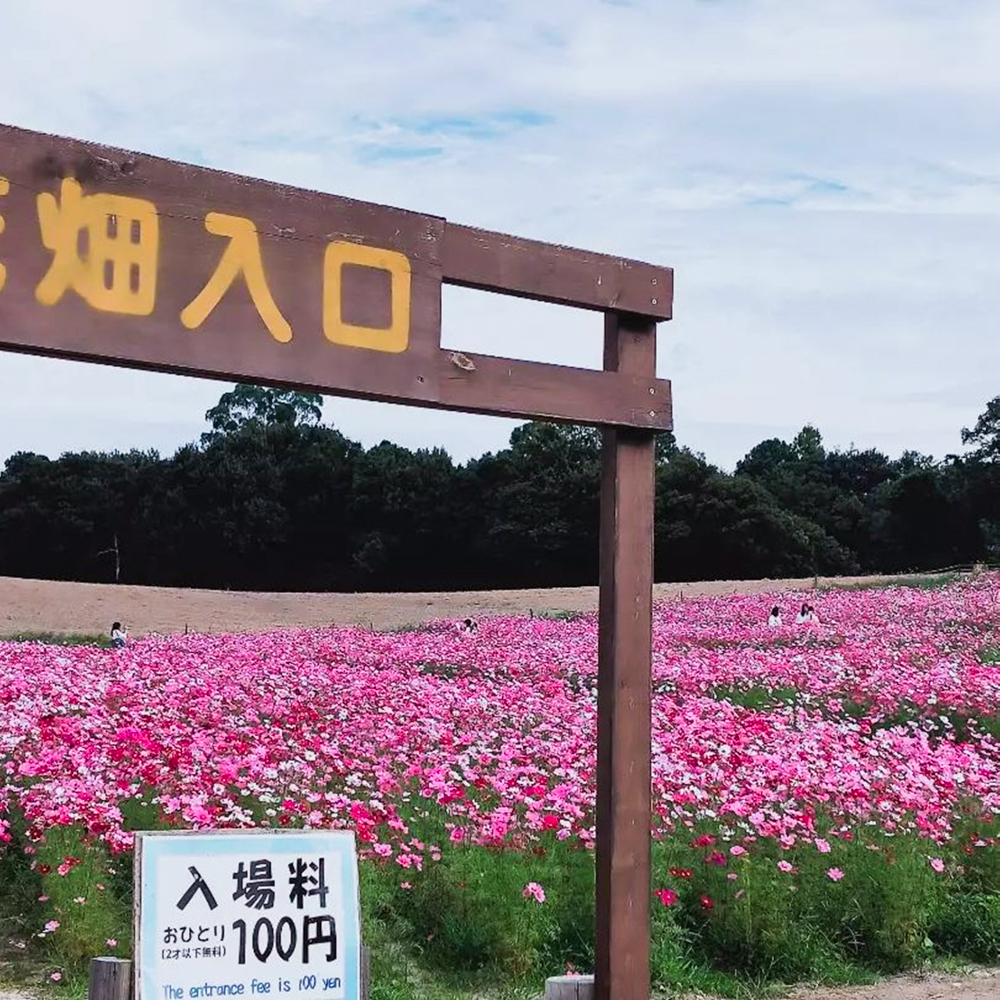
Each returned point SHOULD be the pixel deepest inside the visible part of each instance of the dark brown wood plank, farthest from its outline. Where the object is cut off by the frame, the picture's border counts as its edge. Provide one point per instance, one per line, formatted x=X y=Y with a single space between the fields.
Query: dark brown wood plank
x=494 y=262
x=295 y=231
x=497 y=387
x=484 y=384
x=624 y=742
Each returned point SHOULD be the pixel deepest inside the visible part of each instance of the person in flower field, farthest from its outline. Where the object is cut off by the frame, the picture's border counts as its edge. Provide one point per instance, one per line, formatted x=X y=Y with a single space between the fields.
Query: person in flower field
x=119 y=635
x=807 y=616
x=774 y=619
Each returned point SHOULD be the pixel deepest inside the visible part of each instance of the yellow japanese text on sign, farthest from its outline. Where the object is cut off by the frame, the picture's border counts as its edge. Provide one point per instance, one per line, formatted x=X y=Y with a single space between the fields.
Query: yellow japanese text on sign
x=242 y=256
x=117 y=270
x=106 y=248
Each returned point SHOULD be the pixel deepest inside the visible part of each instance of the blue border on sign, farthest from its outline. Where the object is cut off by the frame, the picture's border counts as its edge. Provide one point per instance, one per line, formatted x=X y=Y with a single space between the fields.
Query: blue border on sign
x=207 y=843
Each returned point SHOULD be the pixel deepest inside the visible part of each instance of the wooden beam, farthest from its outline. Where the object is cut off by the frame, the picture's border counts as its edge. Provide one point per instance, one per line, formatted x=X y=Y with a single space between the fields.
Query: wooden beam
x=481 y=384
x=493 y=262
x=499 y=387
x=624 y=741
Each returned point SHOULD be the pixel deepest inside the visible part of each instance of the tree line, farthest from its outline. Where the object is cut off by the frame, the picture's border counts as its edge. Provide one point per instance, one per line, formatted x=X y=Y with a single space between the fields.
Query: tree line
x=272 y=499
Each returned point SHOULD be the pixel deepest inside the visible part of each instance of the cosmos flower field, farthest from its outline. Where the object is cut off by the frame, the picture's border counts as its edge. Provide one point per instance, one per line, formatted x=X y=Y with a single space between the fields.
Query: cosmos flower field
x=824 y=795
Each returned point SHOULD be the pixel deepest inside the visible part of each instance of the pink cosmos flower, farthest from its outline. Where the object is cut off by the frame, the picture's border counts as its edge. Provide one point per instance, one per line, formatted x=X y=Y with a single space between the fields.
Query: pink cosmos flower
x=504 y=749
x=534 y=891
x=55 y=977
x=786 y=866
x=111 y=943
x=937 y=864
x=834 y=874
x=51 y=926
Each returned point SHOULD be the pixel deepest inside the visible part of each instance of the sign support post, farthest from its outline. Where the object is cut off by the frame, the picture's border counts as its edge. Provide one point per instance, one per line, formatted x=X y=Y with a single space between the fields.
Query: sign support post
x=624 y=741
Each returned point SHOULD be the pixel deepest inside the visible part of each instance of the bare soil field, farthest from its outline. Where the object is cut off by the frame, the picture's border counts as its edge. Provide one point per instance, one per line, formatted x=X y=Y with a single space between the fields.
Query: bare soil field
x=983 y=984
x=47 y=606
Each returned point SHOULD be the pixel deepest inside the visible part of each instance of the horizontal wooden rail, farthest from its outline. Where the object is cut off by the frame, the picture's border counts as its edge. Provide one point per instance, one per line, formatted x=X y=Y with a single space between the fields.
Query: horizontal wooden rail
x=493 y=262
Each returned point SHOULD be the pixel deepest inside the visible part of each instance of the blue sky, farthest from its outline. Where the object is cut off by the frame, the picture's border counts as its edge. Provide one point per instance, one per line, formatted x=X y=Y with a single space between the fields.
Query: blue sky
x=824 y=178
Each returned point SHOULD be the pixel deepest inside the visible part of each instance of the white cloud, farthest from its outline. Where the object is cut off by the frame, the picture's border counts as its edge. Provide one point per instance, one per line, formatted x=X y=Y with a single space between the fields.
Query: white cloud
x=825 y=178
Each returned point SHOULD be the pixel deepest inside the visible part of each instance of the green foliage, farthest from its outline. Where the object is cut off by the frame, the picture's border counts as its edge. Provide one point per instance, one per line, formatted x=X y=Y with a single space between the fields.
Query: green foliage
x=20 y=910
x=60 y=638
x=986 y=433
x=710 y=525
x=271 y=499
x=255 y=408
x=968 y=926
x=463 y=924
x=934 y=581
x=78 y=881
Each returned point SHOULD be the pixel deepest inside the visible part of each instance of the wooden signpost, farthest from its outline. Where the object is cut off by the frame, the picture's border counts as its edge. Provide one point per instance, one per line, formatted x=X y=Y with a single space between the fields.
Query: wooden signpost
x=131 y=260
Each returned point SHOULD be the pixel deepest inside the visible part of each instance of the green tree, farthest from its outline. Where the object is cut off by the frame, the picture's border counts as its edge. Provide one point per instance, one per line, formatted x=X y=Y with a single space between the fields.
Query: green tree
x=64 y=519
x=986 y=433
x=254 y=406
x=713 y=526
x=540 y=505
x=409 y=523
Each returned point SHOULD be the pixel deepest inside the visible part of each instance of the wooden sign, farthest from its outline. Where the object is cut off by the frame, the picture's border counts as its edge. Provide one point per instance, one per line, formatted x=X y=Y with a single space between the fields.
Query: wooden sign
x=132 y=260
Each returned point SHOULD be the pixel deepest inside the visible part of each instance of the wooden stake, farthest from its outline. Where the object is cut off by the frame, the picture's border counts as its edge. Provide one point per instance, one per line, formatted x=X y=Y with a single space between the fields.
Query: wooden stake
x=110 y=979
x=569 y=988
x=624 y=682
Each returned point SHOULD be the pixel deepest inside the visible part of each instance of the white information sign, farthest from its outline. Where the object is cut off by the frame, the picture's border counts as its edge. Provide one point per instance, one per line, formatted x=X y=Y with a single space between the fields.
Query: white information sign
x=256 y=914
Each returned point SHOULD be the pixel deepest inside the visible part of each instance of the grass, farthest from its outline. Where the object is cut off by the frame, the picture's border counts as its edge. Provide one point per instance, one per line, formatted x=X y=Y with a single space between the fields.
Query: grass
x=558 y=615
x=462 y=927
x=934 y=581
x=948 y=722
x=60 y=638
